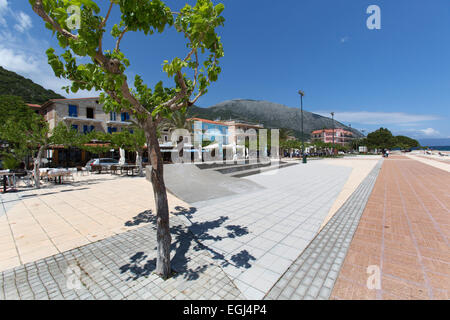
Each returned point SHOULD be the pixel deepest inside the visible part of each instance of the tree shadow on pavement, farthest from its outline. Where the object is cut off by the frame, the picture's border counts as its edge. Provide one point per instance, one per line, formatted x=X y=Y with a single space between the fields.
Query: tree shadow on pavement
x=187 y=250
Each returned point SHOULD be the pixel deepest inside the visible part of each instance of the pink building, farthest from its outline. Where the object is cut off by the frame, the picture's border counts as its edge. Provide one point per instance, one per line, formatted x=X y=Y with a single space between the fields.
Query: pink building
x=341 y=136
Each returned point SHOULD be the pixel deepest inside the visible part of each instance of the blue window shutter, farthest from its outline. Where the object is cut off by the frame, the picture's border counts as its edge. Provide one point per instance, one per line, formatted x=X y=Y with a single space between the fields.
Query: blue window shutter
x=91 y=129
x=85 y=129
x=109 y=130
x=122 y=116
x=75 y=127
x=73 y=111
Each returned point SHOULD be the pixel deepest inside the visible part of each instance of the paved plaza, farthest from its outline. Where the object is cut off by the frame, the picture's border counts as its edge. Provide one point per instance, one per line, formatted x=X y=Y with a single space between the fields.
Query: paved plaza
x=304 y=232
x=35 y=224
x=404 y=232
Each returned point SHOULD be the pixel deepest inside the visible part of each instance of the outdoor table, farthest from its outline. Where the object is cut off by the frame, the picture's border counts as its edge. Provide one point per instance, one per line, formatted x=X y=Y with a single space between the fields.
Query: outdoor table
x=128 y=167
x=5 y=175
x=57 y=174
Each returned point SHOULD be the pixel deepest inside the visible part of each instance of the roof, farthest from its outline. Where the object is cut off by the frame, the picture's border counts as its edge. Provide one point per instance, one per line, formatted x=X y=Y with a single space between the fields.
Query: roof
x=57 y=100
x=331 y=131
x=37 y=106
x=207 y=121
x=75 y=99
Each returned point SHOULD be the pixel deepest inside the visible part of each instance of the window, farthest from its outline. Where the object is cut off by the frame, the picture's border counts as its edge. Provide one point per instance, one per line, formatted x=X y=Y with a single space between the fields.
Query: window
x=73 y=111
x=125 y=116
x=75 y=127
x=87 y=129
x=112 y=129
x=113 y=116
x=90 y=113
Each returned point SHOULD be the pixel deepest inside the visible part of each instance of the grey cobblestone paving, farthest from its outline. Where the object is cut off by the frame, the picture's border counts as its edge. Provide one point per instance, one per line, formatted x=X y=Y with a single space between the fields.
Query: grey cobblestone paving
x=120 y=267
x=314 y=272
x=256 y=236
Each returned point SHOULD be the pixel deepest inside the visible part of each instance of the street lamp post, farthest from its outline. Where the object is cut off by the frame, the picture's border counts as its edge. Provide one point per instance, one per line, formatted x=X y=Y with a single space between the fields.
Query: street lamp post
x=301 y=93
x=332 y=117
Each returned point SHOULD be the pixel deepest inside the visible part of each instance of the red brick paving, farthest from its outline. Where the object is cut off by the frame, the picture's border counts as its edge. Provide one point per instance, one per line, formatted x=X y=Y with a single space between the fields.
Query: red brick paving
x=404 y=230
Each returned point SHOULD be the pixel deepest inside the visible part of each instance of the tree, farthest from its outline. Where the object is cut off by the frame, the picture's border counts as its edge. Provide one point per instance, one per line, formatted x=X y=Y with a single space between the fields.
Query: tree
x=95 y=142
x=106 y=73
x=404 y=142
x=34 y=135
x=381 y=139
x=13 y=109
x=134 y=142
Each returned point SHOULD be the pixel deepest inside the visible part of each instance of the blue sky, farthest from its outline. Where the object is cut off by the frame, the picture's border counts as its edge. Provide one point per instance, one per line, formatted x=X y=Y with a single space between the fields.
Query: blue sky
x=397 y=77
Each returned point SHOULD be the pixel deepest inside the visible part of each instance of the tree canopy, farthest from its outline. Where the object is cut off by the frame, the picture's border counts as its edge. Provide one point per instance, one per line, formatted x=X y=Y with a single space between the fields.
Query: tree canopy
x=381 y=139
x=384 y=139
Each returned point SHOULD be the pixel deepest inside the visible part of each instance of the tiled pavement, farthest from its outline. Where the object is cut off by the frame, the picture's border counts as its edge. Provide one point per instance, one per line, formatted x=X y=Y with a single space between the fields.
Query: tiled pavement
x=273 y=226
x=314 y=272
x=403 y=234
x=35 y=224
x=120 y=267
x=404 y=230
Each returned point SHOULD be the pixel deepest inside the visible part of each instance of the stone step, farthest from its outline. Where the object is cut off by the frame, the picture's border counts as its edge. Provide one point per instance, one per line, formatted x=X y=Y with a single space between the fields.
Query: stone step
x=250 y=172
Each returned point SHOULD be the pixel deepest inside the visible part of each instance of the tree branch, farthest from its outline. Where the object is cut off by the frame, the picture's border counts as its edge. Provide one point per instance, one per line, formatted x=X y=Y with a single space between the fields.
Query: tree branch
x=103 y=23
x=120 y=38
x=39 y=9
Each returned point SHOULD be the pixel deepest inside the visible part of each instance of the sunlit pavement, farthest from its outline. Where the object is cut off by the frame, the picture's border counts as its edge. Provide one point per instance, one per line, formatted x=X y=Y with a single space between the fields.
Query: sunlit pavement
x=403 y=235
x=249 y=245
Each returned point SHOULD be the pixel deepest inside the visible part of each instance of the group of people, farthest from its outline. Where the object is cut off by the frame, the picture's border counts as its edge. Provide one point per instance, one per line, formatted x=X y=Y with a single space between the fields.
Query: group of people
x=292 y=154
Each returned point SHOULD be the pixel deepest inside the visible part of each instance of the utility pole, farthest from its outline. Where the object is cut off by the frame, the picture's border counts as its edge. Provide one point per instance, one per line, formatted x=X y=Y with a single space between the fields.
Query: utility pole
x=301 y=93
x=332 y=117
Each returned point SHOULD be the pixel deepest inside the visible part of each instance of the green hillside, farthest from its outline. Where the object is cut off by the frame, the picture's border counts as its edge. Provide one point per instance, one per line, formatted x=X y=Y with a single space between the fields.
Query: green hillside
x=13 y=84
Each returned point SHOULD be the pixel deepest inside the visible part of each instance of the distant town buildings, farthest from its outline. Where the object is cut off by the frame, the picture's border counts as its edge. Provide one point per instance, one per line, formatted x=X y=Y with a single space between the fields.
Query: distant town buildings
x=341 y=136
x=228 y=129
x=87 y=114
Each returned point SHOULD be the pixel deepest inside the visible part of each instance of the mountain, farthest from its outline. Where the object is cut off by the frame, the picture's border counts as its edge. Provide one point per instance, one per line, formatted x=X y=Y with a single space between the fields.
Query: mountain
x=271 y=115
x=13 y=84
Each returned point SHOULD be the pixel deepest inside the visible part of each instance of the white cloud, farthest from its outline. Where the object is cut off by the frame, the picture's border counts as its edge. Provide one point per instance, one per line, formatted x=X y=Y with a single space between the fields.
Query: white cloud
x=17 y=61
x=345 y=39
x=24 y=22
x=420 y=133
x=25 y=55
x=430 y=132
x=3 y=11
x=379 y=118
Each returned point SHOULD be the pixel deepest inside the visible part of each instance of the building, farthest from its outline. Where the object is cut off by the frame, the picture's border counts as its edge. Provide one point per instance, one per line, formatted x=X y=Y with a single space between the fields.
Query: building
x=234 y=126
x=84 y=115
x=341 y=136
x=227 y=129
x=216 y=128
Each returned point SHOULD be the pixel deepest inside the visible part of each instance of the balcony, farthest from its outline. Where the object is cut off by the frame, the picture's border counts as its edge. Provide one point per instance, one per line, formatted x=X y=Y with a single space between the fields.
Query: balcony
x=83 y=120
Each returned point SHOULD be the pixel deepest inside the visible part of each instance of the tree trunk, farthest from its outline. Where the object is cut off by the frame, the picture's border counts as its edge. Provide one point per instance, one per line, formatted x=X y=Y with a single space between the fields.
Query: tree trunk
x=37 y=164
x=139 y=162
x=162 y=208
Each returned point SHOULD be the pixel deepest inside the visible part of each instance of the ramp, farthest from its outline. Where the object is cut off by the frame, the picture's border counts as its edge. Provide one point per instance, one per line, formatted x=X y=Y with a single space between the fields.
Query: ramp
x=191 y=184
